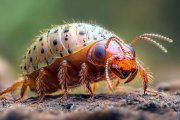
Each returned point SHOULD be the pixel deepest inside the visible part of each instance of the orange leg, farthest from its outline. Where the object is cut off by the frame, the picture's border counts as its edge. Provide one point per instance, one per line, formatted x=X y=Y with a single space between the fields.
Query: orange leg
x=12 y=88
x=26 y=83
x=63 y=78
x=94 y=87
x=144 y=76
x=115 y=85
x=83 y=77
x=15 y=85
x=117 y=82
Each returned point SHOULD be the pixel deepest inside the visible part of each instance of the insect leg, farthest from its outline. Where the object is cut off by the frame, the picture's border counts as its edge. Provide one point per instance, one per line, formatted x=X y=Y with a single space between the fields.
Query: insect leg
x=94 y=87
x=63 y=77
x=144 y=76
x=13 y=87
x=26 y=83
x=118 y=41
x=114 y=85
x=41 y=86
x=84 y=80
x=117 y=82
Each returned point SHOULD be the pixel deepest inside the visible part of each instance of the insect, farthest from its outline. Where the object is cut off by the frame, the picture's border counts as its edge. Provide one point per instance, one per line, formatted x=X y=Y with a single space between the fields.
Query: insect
x=74 y=54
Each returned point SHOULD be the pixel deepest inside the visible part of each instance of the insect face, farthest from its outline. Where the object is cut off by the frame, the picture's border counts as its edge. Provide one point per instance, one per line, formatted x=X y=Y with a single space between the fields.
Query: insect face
x=122 y=63
x=122 y=66
x=121 y=60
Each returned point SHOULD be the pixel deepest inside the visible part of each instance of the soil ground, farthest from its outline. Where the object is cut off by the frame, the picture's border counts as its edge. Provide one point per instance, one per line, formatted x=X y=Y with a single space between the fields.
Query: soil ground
x=118 y=106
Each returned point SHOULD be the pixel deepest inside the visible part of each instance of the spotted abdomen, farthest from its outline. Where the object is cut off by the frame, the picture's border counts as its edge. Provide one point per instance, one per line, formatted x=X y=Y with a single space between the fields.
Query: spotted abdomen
x=61 y=41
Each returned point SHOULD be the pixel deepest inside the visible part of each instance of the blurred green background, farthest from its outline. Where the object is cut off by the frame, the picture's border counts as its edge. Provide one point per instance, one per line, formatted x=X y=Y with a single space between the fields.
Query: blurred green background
x=21 y=20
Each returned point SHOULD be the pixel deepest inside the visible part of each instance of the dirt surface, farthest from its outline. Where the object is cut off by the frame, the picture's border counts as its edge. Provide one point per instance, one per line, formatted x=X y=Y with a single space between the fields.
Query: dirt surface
x=131 y=106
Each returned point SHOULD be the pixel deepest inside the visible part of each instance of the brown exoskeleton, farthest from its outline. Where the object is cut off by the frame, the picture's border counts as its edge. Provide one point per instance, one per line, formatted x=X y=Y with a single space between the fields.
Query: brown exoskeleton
x=79 y=54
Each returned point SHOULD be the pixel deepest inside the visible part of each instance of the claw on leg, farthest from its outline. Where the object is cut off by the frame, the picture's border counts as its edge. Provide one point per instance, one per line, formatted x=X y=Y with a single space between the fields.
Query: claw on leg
x=63 y=78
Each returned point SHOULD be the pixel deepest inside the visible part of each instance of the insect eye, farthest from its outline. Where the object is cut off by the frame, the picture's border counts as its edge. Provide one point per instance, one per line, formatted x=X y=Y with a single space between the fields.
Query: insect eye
x=99 y=51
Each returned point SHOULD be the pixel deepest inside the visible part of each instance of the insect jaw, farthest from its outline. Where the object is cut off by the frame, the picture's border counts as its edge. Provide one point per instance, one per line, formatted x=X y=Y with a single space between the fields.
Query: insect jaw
x=123 y=74
x=123 y=66
x=132 y=75
x=119 y=72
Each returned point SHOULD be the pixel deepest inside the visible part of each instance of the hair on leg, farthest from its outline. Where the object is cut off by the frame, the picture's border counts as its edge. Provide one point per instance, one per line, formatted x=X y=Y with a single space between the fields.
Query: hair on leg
x=63 y=78
x=84 y=78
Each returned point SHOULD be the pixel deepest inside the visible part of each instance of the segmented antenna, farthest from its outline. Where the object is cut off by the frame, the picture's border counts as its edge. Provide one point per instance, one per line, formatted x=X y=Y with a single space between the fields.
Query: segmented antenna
x=158 y=37
x=107 y=75
x=155 y=43
x=119 y=41
x=148 y=37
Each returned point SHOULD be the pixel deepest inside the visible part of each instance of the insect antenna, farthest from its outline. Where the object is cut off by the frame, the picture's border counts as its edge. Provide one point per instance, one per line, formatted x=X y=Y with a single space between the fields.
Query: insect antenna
x=107 y=75
x=158 y=37
x=155 y=43
x=119 y=41
x=148 y=37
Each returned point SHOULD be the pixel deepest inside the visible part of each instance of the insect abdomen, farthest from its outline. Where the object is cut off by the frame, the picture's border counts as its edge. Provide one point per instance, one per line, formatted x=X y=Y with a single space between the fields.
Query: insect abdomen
x=61 y=41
